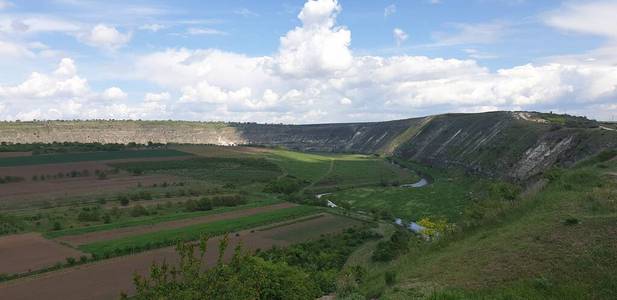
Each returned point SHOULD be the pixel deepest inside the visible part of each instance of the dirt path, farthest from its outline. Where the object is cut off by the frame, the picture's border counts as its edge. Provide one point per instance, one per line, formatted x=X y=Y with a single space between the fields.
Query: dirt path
x=87 y=238
x=20 y=253
x=107 y=279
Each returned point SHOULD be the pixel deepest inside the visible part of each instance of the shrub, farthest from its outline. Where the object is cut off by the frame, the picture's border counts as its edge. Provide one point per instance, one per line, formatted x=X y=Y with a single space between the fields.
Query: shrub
x=390 y=278
x=123 y=199
x=138 y=211
x=71 y=261
x=285 y=185
x=88 y=215
x=389 y=250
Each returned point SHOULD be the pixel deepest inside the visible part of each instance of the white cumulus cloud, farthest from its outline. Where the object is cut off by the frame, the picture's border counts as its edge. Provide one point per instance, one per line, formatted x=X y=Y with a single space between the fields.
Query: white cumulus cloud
x=114 y=93
x=106 y=37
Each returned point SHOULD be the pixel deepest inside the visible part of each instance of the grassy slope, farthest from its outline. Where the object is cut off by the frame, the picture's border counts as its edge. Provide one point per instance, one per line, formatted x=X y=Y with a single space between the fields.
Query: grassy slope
x=529 y=254
x=193 y=232
x=86 y=156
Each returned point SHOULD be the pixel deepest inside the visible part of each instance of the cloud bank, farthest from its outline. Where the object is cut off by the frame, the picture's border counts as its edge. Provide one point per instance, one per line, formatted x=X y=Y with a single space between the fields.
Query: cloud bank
x=314 y=76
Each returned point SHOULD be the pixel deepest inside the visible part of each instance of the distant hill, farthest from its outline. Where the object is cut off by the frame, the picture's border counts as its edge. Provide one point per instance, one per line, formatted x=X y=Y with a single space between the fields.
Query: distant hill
x=514 y=145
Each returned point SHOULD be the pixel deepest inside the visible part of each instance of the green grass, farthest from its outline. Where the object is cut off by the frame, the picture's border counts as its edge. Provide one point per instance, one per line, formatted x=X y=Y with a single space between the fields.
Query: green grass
x=366 y=170
x=446 y=196
x=150 y=220
x=305 y=166
x=193 y=232
x=86 y=156
x=528 y=252
x=339 y=170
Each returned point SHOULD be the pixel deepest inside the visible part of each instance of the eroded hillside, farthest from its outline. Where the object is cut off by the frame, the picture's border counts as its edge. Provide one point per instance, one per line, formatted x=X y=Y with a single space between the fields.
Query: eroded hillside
x=515 y=145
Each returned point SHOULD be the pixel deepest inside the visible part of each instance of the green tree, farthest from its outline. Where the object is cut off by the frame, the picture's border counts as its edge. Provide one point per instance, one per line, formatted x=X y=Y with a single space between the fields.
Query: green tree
x=244 y=277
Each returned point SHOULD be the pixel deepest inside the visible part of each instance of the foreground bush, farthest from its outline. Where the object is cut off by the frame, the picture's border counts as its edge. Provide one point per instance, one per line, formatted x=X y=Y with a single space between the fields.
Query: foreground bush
x=244 y=277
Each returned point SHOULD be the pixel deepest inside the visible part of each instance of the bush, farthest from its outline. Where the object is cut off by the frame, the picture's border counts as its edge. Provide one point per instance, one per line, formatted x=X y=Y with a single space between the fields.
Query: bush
x=123 y=199
x=390 y=278
x=71 y=261
x=571 y=221
x=88 y=215
x=138 y=211
x=199 y=205
x=286 y=185
x=389 y=250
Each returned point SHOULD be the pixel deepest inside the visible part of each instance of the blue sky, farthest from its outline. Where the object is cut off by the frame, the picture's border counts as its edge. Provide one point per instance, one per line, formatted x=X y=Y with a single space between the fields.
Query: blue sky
x=305 y=61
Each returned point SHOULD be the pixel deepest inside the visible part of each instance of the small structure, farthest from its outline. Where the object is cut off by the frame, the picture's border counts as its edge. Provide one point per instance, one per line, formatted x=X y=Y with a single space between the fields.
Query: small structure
x=331 y=204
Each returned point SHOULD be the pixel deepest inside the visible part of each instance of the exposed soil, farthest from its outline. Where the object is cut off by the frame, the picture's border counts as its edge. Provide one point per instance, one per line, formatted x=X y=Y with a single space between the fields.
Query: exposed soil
x=15 y=154
x=23 y=252
x=66 y=187
x=137 y=230
x=29 y=170
x=107 y=279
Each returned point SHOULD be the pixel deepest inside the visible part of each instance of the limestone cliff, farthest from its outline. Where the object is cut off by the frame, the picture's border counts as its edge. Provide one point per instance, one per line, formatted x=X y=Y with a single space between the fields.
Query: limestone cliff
x=515 y=145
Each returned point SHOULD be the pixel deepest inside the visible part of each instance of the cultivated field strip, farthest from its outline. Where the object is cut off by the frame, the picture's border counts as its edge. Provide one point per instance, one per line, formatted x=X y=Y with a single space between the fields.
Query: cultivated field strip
x=21 y=253
x=97 y=236
x=107 y=279
x=165 y=237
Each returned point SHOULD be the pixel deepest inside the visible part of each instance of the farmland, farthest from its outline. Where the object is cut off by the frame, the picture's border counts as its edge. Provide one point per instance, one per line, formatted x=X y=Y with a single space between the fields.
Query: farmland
x=148 y=200
x=96 y=230
x=85 y=156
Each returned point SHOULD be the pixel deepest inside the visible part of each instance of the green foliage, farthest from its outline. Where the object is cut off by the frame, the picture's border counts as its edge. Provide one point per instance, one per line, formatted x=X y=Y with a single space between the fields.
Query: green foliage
x=138 y=243
x=149 y=220
x=10 y=224
x=393 y=248
x=88 y=215
x=244 y=277
x=10 y=179
x=286 y=185
x=138 y=211
x=504 y=191
x=86 y=156
x=64 y=147
x=322 y=259
x=390 y=278
x=199 y=205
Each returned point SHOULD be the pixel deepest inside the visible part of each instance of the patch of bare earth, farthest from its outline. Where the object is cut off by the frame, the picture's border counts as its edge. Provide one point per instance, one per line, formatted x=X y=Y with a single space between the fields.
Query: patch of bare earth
x=21 y=253
x=87 y=238
x=107 y=279
x=66 y=187
x=15 y=154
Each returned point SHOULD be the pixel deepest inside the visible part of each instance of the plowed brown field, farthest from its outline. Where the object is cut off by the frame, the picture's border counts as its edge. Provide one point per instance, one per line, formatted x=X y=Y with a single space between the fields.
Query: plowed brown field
x=107 y=279
x=23 y=252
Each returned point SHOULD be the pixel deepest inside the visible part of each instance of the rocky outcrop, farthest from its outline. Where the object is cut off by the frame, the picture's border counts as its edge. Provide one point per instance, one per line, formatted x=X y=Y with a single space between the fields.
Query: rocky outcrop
x=506 y=144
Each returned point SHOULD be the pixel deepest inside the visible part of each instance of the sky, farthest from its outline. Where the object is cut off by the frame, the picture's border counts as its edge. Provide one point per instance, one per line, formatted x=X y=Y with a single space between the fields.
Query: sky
x=305 y=62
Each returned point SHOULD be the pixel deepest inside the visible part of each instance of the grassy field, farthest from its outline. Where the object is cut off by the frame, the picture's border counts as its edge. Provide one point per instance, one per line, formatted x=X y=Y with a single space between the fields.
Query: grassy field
x=169 y=237
x=339 y=170
x=448 y=193
x=556 y=244
x=306 y=166
x=149 y=220
x=86 y=156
